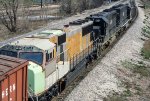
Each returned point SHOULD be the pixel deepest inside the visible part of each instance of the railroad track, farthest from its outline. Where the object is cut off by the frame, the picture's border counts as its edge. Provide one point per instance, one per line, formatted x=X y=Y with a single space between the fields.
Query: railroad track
x=85 y=72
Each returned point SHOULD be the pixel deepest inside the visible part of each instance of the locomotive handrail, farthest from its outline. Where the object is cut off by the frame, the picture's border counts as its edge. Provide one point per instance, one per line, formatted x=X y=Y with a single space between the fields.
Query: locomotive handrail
x=58 y=59
x=31 y=94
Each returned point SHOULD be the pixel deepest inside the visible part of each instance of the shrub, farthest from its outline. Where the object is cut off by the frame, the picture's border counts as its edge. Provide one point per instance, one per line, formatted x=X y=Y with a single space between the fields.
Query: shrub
x=137 y=68
x=146 y=50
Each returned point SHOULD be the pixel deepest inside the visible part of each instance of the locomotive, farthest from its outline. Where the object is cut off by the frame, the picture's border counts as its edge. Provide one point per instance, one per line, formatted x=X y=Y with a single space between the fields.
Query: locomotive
x=57 y=56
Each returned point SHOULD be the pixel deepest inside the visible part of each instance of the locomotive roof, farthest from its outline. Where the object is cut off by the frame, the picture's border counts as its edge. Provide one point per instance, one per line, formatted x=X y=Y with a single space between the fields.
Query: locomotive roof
x=103 y=14
x=77 y=25
x=98 y=17
x=47 y=34
x=43 y=44
x=81 y=23
x=52 y=32
x=119 y=6
x=107 y=13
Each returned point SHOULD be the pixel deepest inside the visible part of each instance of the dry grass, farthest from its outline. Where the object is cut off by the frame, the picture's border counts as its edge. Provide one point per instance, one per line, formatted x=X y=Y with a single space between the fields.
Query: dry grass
x=146 y=31
x=146 y=50
x=139 y=68
x=147 y=45
x=23 y=28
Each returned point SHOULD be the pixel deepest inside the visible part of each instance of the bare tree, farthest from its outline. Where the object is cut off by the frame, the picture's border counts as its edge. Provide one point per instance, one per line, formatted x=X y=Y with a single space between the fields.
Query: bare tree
x=8 y=14
x=73 y=6
x=82 y=5
x=66 y=6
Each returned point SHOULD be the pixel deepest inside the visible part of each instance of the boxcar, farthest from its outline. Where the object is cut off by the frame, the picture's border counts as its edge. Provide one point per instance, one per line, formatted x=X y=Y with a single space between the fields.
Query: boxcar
x=13 y=79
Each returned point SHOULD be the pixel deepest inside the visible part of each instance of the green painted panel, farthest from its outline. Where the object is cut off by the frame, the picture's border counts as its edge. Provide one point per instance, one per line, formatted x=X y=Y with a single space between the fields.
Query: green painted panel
x=36 y=78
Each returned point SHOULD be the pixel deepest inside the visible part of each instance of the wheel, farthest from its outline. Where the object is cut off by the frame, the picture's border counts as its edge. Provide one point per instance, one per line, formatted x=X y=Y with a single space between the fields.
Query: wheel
x=98 y=54
x=43 y=99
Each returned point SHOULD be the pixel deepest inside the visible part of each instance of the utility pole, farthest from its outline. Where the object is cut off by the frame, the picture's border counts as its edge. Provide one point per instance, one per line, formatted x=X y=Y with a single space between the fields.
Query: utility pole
x=41 y=3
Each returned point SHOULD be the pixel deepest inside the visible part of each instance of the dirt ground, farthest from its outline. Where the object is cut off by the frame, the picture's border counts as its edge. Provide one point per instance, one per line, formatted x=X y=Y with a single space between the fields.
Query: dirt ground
x=24 y=28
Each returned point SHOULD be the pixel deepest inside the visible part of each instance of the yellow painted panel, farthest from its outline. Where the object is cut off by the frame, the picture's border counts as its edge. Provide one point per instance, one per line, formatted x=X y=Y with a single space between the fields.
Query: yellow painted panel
x=54 y=52
x=84 y=42
x=54 y=39
x=80 y=42
x=68 y=40
x=74 y=44
x=77 y=43
x=89 y=40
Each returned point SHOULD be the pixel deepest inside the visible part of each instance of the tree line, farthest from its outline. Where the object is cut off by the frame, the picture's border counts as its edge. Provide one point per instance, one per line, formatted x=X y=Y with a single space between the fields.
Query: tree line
x=11 y=10
x=77 y=6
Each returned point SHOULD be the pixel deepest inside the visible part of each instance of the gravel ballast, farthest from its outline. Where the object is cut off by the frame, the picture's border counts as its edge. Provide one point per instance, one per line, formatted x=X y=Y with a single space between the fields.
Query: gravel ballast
x=102 y=79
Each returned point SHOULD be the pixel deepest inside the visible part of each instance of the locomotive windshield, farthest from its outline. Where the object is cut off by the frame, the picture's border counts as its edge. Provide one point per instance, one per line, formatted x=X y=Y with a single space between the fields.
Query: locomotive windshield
x=36 y=57
x=8 y=53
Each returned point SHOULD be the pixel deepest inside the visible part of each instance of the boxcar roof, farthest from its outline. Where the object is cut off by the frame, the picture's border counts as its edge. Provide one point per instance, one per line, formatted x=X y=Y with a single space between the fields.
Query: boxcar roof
x=10 y=64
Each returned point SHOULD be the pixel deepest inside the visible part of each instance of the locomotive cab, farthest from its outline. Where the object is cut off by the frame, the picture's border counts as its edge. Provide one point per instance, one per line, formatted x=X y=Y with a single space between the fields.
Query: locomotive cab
x=99 y=26
x=39 y=70
x=57 y=37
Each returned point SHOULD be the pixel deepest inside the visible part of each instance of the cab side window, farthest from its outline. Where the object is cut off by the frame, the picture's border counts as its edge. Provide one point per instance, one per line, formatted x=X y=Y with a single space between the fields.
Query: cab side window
x=49 y=56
